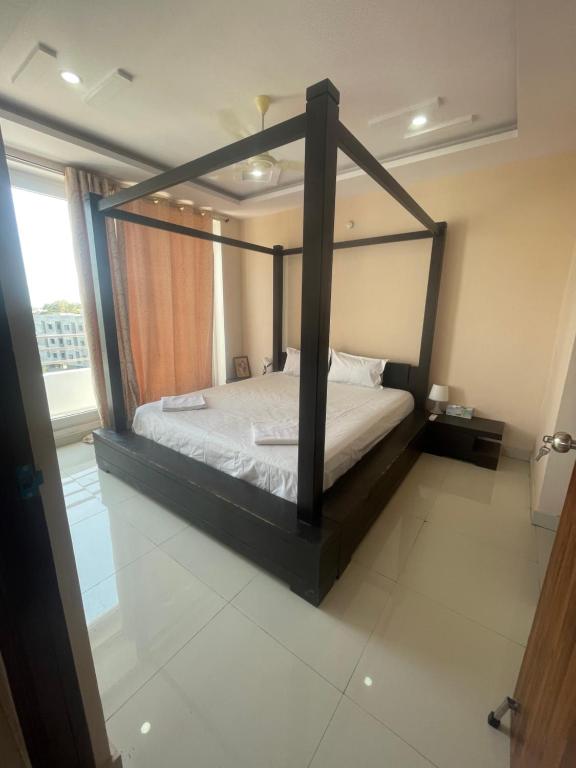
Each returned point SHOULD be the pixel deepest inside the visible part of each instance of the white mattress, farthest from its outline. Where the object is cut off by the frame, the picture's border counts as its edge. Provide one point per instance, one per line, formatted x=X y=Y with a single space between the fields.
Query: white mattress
x=221 y=435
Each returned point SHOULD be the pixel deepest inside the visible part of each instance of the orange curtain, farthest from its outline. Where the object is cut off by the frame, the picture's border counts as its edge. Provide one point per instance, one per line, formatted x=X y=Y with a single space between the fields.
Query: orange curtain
x=170 y=303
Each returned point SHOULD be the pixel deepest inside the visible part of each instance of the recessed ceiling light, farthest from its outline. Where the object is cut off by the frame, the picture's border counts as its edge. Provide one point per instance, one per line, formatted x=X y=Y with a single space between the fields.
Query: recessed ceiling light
x=419 y=121
x=145 y=728
x=415 y=131
x=70 y=77
x=368 y=681
x=257 y=173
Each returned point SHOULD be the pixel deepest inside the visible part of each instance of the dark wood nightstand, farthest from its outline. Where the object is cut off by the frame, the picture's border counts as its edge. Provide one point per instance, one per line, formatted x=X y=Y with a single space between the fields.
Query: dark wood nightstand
x=475 y=440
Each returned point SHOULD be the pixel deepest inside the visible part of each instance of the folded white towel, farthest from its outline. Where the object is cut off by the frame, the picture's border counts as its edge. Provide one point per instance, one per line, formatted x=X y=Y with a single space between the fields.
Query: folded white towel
x=193 y=402
x=265 y=433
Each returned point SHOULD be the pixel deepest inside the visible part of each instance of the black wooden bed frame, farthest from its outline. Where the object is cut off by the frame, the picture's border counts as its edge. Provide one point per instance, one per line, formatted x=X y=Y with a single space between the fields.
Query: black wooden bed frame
x=308 y=544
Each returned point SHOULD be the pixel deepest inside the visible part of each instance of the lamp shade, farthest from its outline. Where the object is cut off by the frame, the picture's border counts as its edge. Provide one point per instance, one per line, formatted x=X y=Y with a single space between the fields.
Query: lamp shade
x=439 y=393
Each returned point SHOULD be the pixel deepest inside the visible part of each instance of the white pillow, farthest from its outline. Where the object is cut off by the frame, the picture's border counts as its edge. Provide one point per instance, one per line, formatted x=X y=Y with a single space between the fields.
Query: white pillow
x=351 y=369
x=292 y=364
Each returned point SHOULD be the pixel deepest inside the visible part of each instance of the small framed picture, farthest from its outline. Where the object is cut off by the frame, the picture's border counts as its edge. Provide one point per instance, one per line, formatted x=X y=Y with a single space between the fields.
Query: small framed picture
x=241 y=367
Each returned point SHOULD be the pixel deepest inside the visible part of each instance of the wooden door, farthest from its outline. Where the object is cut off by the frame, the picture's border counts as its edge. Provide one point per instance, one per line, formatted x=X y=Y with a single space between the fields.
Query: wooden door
x=544 y=728
x=34 y=643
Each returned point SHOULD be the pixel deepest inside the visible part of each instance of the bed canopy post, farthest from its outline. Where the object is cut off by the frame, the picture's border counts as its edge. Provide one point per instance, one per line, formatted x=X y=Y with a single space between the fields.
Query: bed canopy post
x=98 y=244
x=277 y=305
x=318 y=239
x=422 y=373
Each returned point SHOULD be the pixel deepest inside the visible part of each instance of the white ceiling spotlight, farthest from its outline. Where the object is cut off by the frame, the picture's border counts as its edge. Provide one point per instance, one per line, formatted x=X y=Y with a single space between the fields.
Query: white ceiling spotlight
x=183 y=205
x=70 y=77
x=418 y=121
x=420 y=131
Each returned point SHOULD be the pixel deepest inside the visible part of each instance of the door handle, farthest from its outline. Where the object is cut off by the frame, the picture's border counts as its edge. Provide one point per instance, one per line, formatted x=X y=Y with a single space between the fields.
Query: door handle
x=561 y=442
x=29 y=480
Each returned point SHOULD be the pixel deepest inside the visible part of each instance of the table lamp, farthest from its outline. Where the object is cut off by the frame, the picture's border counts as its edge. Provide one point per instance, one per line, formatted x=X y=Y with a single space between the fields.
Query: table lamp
x=438 y=394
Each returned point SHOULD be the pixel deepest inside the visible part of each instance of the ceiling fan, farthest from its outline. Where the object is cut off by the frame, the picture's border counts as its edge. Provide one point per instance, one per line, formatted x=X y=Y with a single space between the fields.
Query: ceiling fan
x=264 y=168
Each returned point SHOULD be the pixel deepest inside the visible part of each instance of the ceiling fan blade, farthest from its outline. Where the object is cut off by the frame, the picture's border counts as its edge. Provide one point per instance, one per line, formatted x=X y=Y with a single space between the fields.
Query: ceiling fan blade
x=275 y=175
x=231 y=124
x=291 y=165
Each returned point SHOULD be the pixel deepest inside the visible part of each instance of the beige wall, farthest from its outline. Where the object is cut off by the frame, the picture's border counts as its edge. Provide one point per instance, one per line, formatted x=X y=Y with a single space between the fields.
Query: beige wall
x=551 y=475
x=511 y=231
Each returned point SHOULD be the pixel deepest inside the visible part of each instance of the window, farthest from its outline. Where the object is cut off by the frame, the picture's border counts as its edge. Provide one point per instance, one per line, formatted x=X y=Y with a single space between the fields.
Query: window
x=46 y=244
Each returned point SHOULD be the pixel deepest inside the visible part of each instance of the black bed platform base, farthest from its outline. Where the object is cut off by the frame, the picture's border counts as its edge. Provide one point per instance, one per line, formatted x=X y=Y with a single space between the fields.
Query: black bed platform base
x=259 y=525
x=308 y=543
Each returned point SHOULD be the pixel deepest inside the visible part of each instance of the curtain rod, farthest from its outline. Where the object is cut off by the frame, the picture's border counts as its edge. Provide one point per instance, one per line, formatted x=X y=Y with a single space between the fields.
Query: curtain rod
x=34 y=162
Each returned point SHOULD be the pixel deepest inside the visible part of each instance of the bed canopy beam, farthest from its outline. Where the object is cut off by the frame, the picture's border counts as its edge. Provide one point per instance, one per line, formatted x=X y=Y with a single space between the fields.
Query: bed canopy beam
x=318 y=241
x=260 y=143
x=421 y=374
x=277 y=306
x=178 y=229
x=423 y=234
x=358 y=153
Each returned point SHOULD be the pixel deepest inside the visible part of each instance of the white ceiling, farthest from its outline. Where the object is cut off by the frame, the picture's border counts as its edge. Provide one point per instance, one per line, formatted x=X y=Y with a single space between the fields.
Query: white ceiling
x=198 y=66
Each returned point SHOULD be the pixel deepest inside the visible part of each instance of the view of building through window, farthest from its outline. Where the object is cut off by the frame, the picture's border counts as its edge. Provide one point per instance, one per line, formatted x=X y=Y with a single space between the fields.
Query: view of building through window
x=46 y=242
x=60 y=335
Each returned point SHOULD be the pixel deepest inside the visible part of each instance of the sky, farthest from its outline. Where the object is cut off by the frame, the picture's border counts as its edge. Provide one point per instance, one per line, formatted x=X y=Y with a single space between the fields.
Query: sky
x=46 y=244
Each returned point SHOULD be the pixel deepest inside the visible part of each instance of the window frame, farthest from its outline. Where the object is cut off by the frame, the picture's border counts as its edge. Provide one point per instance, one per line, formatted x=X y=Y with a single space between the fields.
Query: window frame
x=68 y=428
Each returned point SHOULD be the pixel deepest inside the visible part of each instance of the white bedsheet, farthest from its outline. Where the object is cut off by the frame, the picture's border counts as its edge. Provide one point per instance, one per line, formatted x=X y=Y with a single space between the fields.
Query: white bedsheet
x=221 y=435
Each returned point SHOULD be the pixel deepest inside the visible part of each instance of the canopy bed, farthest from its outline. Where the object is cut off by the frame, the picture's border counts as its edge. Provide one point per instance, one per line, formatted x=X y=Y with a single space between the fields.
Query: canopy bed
x=301 y=513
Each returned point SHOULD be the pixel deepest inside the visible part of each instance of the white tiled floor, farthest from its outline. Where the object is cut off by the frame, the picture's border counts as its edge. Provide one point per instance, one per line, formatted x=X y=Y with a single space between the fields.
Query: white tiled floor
x=203 y=660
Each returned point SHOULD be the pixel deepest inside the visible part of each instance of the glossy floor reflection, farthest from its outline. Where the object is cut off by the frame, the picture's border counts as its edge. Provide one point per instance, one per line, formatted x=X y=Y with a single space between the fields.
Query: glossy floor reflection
x=202 y=659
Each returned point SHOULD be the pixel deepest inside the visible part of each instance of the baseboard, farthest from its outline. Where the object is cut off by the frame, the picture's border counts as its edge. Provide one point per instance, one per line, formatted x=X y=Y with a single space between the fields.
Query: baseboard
x=114 y=761
x=522 y=454
x=542 y=520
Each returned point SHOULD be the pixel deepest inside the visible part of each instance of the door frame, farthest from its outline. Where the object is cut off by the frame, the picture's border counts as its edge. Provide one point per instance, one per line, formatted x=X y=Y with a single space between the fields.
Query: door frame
x=43 y=636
